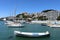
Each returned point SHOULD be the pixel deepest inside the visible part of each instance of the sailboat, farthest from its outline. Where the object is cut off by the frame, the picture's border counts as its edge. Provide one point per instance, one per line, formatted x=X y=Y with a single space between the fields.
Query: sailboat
x=13 y=23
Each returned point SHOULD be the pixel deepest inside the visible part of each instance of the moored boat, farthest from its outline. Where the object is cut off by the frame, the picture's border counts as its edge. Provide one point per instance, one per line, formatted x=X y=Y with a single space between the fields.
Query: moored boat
x=29 y=34
x=13 y=24
x=54 y=24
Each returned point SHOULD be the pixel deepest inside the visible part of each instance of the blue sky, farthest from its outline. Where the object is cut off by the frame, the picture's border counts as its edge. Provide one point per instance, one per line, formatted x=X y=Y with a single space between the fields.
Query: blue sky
x=7 y=7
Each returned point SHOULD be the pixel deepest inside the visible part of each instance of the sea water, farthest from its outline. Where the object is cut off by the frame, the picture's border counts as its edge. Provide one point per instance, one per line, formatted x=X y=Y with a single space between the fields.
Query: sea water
x=7 y=33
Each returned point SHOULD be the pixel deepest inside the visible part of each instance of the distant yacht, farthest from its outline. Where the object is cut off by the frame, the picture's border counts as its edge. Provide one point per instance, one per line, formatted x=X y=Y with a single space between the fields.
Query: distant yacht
x=54 y=24
x=13 y=24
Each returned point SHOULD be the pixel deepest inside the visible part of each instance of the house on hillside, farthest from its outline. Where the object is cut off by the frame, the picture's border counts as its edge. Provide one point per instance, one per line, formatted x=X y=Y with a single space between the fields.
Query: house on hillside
x=51 y=14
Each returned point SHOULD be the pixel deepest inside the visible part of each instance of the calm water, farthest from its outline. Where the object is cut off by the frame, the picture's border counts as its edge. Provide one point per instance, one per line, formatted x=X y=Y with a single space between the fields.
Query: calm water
x=8 y=33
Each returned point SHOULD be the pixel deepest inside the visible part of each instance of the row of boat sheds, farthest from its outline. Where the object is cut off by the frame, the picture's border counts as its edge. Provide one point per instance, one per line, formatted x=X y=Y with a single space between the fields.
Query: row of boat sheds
x=29 y=34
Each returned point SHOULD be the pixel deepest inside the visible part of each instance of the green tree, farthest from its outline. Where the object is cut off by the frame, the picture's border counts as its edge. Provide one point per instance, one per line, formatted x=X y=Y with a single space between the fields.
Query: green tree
x=42 y=18
x=18 y=15
x=58 y=18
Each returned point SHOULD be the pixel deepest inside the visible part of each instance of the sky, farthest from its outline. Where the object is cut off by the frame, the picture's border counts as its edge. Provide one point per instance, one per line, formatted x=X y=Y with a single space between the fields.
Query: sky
x=8 y=7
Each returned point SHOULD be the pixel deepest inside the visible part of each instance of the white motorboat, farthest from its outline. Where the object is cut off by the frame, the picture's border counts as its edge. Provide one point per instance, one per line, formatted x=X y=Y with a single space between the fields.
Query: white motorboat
x=54 y=24
x=29 y=34
x=8 y=22
x=13 y=24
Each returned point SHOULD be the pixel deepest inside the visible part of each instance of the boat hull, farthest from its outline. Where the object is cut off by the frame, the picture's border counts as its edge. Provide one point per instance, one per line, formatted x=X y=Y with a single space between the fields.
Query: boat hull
x=21 y=35
x=11 y=24
x=15 y=26
x=54 y=26
x=27 y=34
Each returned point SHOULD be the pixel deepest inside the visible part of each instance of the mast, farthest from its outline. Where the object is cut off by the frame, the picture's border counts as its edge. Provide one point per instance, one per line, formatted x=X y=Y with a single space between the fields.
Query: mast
x=15 y=12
